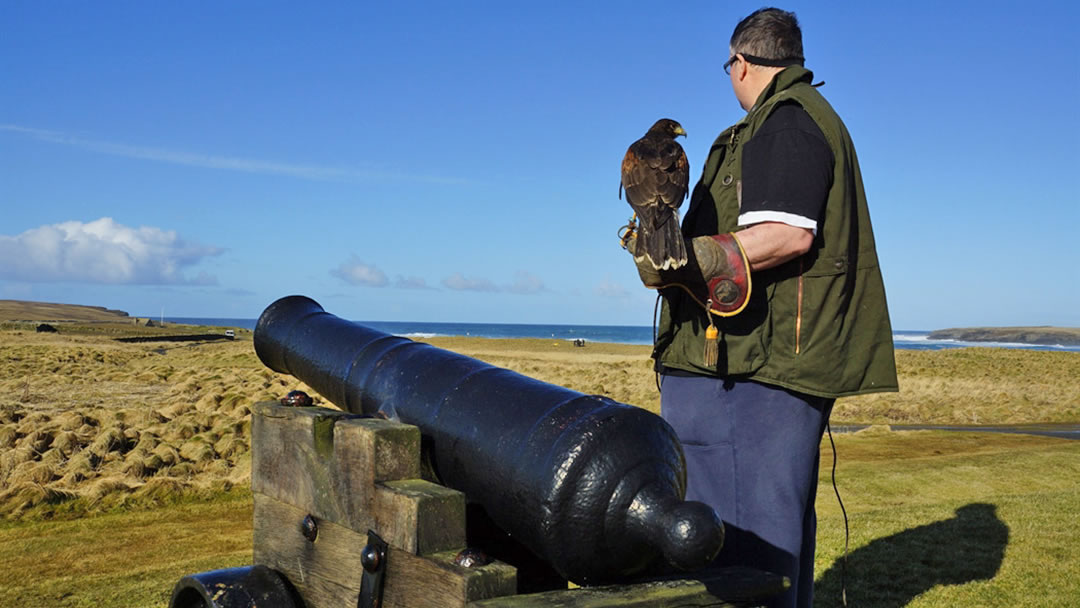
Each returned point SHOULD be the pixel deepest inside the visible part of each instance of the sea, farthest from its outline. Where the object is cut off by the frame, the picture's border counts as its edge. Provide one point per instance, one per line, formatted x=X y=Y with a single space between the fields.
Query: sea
x=619 y=334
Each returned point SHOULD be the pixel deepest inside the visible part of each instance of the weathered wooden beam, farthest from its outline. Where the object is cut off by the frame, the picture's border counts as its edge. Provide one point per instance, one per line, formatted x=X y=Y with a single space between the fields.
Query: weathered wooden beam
x=327 y=572
x=361 y=473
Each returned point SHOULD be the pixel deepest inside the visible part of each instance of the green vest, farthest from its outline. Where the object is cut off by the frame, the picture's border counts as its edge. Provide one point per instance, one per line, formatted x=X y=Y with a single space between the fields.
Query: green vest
x=817 y=324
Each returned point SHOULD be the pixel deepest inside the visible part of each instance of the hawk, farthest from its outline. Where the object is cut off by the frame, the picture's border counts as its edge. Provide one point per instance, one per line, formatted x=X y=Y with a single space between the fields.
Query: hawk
x=655 y=174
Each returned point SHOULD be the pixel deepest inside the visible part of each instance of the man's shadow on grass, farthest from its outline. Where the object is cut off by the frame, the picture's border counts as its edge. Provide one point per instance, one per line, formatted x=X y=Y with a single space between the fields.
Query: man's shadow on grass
x=891 y=571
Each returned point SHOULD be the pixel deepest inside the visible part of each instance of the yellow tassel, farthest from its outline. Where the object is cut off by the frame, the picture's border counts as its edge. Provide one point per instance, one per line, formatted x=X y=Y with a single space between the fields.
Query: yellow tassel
x=712 y=341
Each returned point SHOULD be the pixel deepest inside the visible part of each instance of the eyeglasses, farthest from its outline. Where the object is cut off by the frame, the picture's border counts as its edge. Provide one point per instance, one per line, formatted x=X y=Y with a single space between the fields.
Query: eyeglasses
x=754 y=60
x=730 y=62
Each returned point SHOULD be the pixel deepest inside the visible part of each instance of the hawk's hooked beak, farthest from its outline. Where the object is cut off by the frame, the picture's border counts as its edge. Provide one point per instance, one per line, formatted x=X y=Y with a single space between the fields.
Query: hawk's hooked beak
x=680 y=131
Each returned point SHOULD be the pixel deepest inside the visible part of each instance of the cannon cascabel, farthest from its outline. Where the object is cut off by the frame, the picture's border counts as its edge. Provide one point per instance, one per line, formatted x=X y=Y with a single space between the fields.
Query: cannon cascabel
x=592 y=486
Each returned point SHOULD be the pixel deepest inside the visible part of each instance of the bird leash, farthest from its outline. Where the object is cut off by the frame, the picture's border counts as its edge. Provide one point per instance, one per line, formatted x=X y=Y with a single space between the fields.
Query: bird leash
x=628 y=232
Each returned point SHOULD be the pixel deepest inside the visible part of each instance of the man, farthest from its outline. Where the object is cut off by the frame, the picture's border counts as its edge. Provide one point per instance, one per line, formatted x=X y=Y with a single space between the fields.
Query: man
x=783 y=190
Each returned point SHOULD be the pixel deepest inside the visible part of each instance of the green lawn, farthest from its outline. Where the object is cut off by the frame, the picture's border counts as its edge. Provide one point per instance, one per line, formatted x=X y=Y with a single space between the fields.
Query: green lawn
x=951 y=519
x=121 y=559
x=937 y=519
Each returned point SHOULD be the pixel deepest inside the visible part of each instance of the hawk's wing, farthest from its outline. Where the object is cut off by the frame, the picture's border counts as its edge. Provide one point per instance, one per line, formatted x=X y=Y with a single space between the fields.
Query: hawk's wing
x=656 y=176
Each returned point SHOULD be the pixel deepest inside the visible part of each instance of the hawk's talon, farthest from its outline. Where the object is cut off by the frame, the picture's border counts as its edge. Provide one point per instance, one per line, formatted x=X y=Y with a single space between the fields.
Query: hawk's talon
x=627 y=232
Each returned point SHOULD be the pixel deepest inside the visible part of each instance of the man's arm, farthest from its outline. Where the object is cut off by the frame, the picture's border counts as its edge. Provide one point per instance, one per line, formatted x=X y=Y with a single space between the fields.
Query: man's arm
x=787 y=172
x=770 y=244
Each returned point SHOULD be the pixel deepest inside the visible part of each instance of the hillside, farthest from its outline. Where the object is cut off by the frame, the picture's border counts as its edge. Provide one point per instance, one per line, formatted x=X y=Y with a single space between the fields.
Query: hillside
x=20 y=310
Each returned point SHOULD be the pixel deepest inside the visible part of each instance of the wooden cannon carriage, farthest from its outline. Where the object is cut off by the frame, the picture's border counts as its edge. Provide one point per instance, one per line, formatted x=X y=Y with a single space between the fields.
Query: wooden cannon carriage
x=355 y=510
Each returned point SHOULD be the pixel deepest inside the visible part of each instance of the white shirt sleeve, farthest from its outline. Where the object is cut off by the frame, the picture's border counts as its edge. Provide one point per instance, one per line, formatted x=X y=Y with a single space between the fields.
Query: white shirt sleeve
x=756 y=217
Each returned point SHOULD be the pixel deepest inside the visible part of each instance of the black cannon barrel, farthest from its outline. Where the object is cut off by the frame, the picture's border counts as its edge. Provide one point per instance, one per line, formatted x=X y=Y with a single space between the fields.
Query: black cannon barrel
x=590 y=485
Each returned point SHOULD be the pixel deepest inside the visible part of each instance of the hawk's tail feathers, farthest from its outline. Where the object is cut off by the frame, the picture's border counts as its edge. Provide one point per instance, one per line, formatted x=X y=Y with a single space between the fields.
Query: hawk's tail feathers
x=664 y=245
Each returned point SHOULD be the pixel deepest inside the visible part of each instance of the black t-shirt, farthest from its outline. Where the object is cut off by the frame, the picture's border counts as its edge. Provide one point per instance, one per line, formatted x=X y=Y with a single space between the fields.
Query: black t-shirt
x=787 y=170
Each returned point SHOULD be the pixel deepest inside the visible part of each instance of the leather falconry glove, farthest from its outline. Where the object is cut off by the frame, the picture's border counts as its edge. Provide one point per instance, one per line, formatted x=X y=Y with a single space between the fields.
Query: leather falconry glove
x=716 y=275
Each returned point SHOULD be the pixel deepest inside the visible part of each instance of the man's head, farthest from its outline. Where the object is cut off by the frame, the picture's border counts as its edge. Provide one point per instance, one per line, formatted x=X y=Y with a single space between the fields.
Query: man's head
x=762 y=44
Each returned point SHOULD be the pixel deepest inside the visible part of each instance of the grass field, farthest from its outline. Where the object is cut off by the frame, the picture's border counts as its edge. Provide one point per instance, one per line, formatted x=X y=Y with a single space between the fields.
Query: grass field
x=951 y=519
x=937 y=519
x=956 y=386
x=124 y=466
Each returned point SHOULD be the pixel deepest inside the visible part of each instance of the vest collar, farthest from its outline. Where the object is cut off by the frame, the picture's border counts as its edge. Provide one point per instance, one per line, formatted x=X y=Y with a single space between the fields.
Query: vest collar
x=783 y=80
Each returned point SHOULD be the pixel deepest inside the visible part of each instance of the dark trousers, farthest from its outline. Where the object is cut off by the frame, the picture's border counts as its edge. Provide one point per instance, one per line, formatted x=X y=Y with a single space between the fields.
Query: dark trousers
x=752 y=454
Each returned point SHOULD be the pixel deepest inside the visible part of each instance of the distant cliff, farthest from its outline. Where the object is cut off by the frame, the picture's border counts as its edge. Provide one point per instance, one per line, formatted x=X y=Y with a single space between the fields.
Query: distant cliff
x=19 y=310
x=1066 y=336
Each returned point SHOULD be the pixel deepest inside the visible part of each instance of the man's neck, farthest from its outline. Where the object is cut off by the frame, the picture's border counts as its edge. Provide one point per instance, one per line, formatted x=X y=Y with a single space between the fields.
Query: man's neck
x=758 y=79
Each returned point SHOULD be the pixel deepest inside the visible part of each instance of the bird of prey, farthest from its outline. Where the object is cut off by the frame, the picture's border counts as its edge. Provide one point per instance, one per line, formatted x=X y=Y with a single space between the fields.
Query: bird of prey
x=655 y=174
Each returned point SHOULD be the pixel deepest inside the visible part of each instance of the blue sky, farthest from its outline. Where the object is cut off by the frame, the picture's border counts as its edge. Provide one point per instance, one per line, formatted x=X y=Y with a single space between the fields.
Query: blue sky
x=460 y=161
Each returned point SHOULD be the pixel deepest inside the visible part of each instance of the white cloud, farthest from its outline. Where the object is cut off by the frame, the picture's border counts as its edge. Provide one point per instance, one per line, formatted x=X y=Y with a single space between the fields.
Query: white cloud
x=459 y=282
x=607 y=289
x=526 y=283
x=356 y=272
x=227 y=163
x=102 y=251
x=411 y=283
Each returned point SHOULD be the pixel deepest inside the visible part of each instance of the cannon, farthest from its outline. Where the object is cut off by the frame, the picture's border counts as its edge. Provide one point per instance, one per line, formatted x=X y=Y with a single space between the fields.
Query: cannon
x=445 y=481
x=591 y=486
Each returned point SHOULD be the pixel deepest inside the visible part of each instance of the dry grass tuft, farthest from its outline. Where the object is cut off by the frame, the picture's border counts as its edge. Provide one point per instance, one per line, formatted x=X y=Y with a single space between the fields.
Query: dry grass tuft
x=109 y=440
x=181 y=430
x=84 y=463
x=70 y=421
x=53 y=457
x=8 y=436
x=35 y=472
x=167 y=454
x=38 y=441
x=10 y=459
x=148 y=441
x=174 y=410
x=230 y=446
x=9 y=413
x=197 y=450
x=160 y=489
x=31 y=423
x=106 y=486
x=22 y=496
x=183 y=470
x=67 y=442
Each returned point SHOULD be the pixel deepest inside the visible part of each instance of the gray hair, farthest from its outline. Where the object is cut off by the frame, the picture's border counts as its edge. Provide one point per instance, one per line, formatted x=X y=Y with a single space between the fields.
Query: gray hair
x=769 y=33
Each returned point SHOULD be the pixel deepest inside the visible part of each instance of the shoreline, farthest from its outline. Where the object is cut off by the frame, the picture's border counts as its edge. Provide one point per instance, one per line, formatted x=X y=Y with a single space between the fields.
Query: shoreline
x=17 y=314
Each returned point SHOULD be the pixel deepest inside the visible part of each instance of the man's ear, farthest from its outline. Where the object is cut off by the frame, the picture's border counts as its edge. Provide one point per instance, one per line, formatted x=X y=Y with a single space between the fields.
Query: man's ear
x=741 y=71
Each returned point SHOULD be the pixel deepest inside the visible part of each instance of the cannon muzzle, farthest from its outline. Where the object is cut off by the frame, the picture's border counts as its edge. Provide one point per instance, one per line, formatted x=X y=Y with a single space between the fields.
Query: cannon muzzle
x=592 y=486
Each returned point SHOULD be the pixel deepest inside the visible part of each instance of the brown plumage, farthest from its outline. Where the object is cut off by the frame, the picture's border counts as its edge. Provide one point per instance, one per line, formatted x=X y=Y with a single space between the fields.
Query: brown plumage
x=655 y=175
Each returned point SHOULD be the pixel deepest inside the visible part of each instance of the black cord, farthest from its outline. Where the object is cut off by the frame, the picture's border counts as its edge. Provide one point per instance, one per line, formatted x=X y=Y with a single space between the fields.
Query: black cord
x=843 y=564
x=655 y=309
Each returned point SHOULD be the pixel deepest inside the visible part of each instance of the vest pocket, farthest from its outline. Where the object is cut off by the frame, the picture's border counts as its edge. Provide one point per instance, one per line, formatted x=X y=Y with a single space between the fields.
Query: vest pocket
x=820 y=302
x=827 y=266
